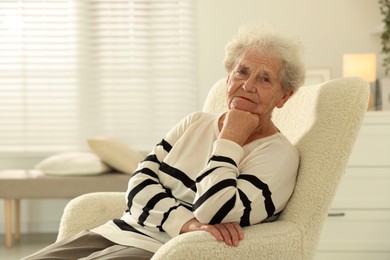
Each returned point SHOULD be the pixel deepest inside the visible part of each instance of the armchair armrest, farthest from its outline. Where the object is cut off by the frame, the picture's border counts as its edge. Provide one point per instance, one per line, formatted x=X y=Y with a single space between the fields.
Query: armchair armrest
x=89 y=211
x=275 y=240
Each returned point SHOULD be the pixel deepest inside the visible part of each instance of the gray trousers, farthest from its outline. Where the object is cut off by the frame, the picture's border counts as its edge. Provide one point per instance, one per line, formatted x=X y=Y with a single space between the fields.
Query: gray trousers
x=87 y=246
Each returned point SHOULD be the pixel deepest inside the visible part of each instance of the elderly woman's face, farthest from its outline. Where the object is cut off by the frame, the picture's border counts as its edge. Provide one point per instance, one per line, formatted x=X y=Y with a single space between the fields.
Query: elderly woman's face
x=254 y=84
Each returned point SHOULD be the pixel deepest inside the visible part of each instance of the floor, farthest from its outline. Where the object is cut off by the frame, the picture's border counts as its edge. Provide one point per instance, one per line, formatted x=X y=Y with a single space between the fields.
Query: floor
x=28 y=244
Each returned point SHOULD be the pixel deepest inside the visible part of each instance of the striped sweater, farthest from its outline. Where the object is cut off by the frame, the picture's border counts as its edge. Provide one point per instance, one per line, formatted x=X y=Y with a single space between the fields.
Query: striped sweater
x=192 y=174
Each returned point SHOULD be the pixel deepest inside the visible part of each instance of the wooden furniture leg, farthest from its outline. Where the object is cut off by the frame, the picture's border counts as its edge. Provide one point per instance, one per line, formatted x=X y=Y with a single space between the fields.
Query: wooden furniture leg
x=8 y=223
x=17 y=218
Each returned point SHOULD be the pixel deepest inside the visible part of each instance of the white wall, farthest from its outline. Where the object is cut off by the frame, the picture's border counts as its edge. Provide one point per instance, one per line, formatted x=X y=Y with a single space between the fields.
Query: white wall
x=328 y=28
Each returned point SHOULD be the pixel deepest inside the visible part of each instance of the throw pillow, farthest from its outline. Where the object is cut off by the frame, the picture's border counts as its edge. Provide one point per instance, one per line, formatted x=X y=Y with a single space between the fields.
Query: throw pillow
x=73 y=163
x=115 y=153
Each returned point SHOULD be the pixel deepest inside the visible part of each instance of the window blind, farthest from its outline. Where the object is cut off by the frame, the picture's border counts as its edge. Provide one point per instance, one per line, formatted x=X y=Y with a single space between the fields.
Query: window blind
x=70 y=70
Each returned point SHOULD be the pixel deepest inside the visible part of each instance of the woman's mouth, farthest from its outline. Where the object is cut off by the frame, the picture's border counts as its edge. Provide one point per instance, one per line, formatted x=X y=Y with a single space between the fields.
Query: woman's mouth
x=245 y=98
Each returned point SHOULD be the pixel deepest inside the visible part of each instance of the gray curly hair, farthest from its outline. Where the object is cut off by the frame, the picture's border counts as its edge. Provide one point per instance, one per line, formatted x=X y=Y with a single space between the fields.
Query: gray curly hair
x=267 y=41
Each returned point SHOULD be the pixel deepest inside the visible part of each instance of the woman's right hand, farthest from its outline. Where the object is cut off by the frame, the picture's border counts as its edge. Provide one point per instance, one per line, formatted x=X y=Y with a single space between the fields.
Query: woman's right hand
x=230 y=233
x=238 y=125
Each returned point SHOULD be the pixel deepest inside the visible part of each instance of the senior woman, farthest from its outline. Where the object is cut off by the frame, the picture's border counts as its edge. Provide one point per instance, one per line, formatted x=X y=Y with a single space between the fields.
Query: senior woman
x=212 y=172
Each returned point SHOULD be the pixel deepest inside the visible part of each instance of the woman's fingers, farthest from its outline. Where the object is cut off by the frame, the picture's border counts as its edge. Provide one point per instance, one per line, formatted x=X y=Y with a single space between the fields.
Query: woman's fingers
x=213 y=230
x=225 y=232
x=239 y=231
x=231 y=232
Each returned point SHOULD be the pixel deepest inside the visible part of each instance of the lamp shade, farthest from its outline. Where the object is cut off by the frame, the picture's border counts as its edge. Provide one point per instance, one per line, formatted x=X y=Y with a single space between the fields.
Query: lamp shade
x=360 y=65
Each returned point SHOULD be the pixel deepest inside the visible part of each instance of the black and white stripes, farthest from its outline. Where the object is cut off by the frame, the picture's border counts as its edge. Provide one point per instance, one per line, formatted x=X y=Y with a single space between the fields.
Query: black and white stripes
x=226 y=189
x=149 y=189
x=220 y=165
x=193 y=174
x=269 y=205
x=178 y=175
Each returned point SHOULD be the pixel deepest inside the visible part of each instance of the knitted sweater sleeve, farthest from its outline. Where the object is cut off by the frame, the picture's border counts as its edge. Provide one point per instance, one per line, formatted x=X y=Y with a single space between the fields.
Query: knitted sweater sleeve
x=148 y=201
x=245 y=190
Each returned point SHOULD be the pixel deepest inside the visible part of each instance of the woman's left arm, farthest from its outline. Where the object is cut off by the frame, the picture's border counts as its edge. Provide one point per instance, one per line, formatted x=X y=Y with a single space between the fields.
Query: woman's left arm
x=245 y=190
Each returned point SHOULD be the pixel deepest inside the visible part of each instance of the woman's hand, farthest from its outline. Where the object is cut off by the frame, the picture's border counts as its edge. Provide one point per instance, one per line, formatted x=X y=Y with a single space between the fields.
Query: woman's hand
x=230 y=233
x=238 y=125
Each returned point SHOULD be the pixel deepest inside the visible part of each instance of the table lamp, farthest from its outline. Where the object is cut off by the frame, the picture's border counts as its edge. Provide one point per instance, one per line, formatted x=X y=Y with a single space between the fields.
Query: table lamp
x=363 y=65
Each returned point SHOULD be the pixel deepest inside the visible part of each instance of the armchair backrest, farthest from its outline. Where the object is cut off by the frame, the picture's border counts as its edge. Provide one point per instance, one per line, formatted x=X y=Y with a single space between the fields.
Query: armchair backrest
x=322 y=121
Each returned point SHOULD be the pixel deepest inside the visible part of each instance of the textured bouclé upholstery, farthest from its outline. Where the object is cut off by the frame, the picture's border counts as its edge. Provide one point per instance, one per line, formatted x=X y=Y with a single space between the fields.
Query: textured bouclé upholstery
x=322 y=121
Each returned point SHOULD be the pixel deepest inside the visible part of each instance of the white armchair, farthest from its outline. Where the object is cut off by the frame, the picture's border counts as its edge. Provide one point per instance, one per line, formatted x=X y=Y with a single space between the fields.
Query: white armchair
x=322 y=121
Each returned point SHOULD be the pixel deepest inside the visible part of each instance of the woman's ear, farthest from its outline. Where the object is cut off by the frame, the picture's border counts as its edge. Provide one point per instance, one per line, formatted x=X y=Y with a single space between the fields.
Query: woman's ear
x=284 y=98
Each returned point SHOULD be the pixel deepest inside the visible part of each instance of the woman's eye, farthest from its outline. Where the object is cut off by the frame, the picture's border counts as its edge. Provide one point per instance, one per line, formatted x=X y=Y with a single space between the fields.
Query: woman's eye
x=242 y=72
x=266 y=79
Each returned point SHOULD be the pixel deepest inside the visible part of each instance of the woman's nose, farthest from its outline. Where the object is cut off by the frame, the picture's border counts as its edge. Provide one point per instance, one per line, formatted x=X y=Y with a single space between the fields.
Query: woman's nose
x=249 y=85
